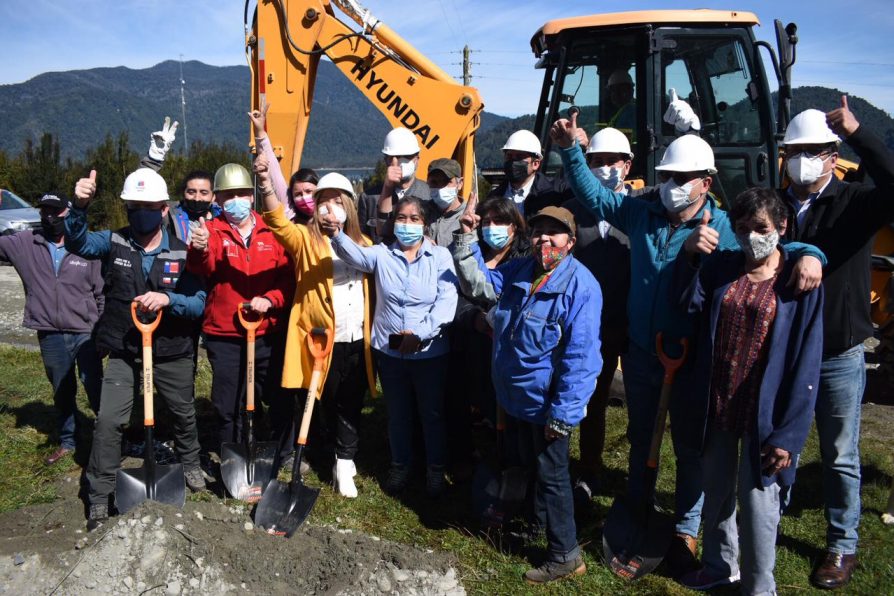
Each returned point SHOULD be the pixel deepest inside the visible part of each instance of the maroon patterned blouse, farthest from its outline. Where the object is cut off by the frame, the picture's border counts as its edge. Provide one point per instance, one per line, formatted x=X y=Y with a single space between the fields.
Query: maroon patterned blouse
x=740 y=352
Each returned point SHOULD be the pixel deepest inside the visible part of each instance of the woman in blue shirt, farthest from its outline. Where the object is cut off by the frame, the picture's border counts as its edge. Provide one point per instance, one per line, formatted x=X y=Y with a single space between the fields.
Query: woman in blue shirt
x=415 y=301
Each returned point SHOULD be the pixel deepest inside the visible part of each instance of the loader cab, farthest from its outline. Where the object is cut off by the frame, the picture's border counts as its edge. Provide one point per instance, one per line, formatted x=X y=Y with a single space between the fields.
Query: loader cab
x=711 y=60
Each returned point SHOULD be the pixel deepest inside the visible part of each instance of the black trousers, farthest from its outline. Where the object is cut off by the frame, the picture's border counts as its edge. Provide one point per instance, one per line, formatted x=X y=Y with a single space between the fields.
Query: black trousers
x=336 y=419
x=227 y=356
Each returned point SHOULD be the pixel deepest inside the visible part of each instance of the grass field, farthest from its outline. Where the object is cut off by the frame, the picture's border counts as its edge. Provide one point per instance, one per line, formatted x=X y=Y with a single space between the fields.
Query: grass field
x=27 y=435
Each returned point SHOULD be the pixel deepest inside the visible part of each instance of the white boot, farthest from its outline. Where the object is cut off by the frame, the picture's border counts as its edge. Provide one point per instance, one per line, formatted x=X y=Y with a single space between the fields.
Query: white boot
x=343 y=472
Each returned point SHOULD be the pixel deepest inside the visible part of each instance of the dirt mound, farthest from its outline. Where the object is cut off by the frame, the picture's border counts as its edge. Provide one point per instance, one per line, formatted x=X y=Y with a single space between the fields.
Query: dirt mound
x=210 y=548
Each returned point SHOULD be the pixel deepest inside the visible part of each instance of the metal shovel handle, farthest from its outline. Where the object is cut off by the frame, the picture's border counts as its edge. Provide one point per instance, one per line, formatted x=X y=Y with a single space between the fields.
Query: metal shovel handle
x=146 y=330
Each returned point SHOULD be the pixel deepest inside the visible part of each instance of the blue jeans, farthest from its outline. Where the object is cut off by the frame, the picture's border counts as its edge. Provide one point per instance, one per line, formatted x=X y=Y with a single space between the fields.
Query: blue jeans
x=60 y=352
x=553 y=501
x=643 y=377
x=842 y=380
x=728 y=472
x=415 y=384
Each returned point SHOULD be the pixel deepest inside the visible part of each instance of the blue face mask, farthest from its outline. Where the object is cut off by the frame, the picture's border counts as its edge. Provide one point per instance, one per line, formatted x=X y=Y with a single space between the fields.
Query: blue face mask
x=408 y=234
x=236 y=210
x=495 y=236
x=144 y=221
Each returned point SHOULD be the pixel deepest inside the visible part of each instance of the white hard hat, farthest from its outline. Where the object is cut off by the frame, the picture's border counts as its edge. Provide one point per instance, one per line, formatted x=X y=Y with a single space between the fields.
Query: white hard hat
x=689 y=153
x=145 y=186
x=400 y=141
x=525 y=141
x=336 y=181
x=620 y=77
x=809 y=128
x=609 y=140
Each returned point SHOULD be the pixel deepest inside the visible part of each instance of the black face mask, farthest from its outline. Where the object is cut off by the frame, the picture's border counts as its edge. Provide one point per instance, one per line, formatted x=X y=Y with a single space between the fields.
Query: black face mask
x=195 y=208
x=144 y=221
x=516 y=171
x=53 y=226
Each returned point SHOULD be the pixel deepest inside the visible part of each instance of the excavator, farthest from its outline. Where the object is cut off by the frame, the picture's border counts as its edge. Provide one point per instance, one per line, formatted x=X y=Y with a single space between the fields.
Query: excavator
x=710 y=58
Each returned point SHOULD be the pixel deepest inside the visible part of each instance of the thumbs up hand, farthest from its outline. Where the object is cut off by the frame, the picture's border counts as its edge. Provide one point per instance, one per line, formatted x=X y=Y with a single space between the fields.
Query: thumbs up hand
x=703 y=239
x=680 y=114
x=841 y=120
x=85 y=189
x=199 y=238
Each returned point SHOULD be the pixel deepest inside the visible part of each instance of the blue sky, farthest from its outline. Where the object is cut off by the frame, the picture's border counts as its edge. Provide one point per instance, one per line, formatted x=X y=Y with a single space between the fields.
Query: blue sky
x=841 y=45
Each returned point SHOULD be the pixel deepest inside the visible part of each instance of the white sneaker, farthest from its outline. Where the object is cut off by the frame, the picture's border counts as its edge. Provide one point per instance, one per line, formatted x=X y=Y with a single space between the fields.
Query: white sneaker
x=343 y=472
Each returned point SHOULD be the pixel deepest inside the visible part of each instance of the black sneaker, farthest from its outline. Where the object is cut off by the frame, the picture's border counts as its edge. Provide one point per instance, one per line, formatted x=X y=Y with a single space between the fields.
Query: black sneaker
x=552 y=571
x=98 y=515
x=398 y=477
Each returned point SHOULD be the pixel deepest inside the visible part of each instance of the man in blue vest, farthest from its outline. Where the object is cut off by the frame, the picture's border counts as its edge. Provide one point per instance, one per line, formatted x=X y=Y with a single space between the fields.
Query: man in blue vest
x=143 y=264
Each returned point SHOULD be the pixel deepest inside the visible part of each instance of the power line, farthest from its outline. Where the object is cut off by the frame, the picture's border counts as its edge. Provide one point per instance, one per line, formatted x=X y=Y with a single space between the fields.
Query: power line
x=444 y=12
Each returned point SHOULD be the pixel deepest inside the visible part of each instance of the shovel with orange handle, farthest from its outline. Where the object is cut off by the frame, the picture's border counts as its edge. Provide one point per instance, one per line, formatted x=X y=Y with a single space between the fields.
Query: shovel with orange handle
x=155 y=482
x=636 y=535
x=284 y=507
x=247 y=467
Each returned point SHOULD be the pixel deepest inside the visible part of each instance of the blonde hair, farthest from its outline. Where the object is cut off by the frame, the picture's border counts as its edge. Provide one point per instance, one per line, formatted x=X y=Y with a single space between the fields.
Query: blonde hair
x=351 y=227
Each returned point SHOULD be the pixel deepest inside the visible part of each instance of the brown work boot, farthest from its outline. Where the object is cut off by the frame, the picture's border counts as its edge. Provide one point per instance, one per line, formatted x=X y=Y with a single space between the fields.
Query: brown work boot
x=833 y=571
x=552 y=570
x=681 y=555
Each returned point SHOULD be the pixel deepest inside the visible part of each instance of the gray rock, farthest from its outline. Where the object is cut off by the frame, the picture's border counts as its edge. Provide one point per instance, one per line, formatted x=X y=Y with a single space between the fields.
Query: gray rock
x=159 y=521
x=383 y=583
x=145 y=520
x=172 y=589
x=128 y=582
x=19 y=559
x=400 y=575
x=248 y=526
x=194 y=583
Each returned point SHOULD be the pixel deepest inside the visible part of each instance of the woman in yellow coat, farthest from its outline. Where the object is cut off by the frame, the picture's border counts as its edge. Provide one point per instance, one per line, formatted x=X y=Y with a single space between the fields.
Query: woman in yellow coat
x=332 y=295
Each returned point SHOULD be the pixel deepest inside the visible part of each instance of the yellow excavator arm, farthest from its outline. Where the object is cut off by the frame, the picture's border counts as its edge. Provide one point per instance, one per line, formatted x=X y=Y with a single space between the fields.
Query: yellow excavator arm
x=287 y=40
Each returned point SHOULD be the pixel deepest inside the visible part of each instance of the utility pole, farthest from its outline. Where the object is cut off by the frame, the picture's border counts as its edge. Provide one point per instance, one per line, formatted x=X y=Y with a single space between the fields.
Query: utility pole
x=183 y=108
x=467 y=66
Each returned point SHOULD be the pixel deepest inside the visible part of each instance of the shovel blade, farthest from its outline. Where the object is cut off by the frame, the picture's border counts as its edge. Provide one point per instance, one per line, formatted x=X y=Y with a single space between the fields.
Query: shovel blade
x=635 y=538
x=247 y=471
x=284 y=507
x=131 y=486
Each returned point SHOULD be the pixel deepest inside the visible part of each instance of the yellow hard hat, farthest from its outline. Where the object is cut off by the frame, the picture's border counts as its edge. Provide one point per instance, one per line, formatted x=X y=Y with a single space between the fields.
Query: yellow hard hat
x=230 y=176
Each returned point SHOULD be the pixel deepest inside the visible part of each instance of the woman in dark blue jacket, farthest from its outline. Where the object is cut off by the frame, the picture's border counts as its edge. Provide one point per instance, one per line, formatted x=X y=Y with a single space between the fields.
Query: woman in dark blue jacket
x=756 y=377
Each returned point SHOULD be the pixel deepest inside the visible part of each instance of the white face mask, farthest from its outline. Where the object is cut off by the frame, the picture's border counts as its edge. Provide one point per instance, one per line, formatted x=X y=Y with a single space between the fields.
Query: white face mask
x=407 y=167
x=804 y=169
x=337 y=210
x=443 y=197
x=675 y=198
x=610 y=177
x=758 y=246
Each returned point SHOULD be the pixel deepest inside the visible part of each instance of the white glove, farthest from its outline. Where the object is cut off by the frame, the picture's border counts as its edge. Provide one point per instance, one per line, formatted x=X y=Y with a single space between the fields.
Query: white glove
x=161 y=140
x=680 y=114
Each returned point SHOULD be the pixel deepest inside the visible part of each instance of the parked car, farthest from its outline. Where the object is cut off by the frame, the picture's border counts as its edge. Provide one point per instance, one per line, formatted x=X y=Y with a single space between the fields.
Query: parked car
x=16 y=215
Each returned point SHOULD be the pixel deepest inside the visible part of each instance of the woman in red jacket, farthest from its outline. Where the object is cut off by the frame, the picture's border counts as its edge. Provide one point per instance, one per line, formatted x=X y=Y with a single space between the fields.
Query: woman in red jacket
x=241 y=261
